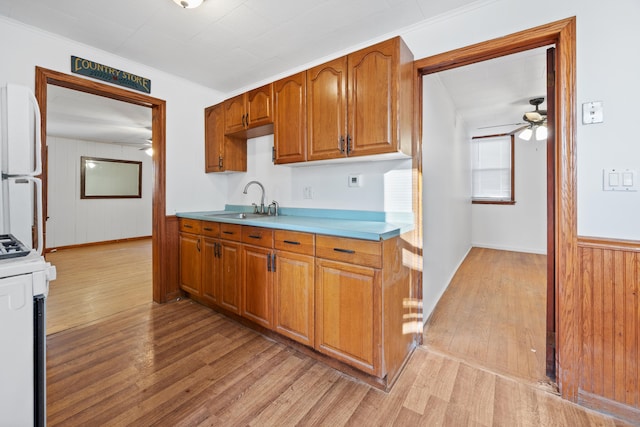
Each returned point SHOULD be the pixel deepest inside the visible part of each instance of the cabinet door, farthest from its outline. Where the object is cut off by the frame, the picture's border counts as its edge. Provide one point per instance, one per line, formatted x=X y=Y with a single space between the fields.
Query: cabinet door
x=327 y=110
x=348 y=314
x=373 y=95
x=190 y=263
x=260 y=106
x=290 y=120
x=210 y=270
x=294 y=298
x=257 y=285
x=214 y=138
x=222 y=153
x=235 y=114
x=230 y=258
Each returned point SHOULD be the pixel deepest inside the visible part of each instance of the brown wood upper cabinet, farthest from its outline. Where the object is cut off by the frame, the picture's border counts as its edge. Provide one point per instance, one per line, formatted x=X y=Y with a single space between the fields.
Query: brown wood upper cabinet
x=250 y=114
x=289 y=123
x=361 y=104
x=222 y=153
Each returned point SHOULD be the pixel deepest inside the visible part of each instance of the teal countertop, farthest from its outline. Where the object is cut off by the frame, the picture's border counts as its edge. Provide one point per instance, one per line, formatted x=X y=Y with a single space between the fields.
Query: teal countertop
x=342 y=223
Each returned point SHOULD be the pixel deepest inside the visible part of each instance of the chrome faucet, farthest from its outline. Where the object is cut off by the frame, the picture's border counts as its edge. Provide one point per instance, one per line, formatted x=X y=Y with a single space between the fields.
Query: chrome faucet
x=261 y=210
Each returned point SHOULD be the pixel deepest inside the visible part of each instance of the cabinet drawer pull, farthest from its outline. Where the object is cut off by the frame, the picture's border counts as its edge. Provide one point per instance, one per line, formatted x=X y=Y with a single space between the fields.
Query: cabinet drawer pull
x=291 y=242
x=228 y=232
x=345 y=251
x=208 y=229
x=255 y=236
x=187 y=226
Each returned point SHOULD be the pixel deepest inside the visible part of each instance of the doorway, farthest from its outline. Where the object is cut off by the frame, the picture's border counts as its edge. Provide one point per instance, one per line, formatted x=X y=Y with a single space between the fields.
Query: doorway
x=160 y=250
x=562 y=287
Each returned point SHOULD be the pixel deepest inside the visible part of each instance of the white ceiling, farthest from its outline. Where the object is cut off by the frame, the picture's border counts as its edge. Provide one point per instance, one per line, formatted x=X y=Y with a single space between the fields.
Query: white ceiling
x=230 y=44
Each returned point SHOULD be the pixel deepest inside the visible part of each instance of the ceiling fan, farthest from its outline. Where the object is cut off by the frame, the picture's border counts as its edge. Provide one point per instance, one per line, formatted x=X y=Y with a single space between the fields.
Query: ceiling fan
x=537 y=120
x=534 y=122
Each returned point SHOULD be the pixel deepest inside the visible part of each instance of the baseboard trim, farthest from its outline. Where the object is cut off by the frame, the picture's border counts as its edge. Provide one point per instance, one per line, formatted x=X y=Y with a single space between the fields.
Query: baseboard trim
x=609 y=407
x=106 y=242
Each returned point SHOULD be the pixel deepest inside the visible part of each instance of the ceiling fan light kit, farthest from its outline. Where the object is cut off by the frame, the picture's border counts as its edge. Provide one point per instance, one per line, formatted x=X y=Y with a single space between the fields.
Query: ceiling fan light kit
x=537 y=120
x=188 y=4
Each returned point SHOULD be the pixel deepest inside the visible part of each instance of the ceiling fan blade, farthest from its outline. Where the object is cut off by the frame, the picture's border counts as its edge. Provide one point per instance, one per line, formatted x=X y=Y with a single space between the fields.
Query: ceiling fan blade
x=498 y=126
x=515 y=131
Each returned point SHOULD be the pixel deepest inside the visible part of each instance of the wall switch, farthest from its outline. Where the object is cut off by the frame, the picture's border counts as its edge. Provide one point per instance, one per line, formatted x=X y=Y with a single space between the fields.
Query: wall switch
x=620 y=180
x=355 y=181
x=592 y=112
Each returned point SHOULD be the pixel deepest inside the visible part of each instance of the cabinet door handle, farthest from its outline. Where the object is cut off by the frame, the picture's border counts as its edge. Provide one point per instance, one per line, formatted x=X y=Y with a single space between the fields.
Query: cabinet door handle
x=220 y=162
x=291 y=242
x=341 y=144
x=198 y=245
x=269 y=262
x=345 y=251
x=247 y=120
x=216 y=252
x=349 y=147
x=273 y=262
x=255 y=236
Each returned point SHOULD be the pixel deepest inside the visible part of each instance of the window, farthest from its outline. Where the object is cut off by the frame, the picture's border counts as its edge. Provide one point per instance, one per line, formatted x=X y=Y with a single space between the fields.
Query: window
x=492 y=169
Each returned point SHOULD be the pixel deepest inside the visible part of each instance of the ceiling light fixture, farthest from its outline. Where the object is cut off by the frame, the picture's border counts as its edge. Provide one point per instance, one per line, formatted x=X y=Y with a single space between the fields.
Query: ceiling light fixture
x=540 y=132
x=188 y=4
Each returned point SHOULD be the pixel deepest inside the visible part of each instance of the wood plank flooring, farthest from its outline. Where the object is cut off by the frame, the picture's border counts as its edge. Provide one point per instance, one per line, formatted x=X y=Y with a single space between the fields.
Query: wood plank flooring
x=493 y=314
x=181 y=364
x=97 y=281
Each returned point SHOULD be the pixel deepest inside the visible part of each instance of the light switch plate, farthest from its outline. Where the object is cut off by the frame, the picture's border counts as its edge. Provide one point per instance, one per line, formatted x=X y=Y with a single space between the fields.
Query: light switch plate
x=619 y=179
x=592 y=112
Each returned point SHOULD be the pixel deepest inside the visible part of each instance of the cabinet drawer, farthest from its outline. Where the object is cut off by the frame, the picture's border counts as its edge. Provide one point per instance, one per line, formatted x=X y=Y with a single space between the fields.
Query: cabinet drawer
x=210 y=229
x=231 y=232
x=190 y=225
x=295 y=241
x=257 y=236
x=354 y=251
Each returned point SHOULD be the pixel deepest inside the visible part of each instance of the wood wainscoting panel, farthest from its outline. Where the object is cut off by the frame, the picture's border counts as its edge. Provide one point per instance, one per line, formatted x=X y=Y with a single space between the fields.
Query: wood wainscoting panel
x=609 y=274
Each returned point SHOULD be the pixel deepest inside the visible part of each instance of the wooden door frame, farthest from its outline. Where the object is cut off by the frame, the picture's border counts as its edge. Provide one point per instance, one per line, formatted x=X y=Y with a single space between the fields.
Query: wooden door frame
x=44 y=77
x=562 y=34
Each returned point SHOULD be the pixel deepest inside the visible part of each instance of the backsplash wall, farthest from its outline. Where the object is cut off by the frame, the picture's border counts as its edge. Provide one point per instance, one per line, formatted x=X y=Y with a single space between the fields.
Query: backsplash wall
x=385 y=185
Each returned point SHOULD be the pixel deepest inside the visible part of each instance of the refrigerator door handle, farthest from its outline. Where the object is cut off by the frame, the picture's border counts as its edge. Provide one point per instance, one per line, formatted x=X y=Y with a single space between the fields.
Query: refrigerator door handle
x=38 y=138
x=38 y=202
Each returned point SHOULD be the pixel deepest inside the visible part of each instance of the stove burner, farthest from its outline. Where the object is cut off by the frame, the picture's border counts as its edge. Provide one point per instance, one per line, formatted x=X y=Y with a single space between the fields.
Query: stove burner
x=10 y=247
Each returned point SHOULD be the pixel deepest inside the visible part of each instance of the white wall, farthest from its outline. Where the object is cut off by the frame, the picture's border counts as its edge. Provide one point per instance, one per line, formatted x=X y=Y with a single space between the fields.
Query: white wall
x=23 y=48
x=446 y=172
x=385 y=185
x=607 y=35
x=75 y=221
x=521 y=227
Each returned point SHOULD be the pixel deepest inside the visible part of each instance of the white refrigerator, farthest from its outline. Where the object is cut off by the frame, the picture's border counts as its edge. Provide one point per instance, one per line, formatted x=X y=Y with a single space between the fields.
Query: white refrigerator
x=24 y=273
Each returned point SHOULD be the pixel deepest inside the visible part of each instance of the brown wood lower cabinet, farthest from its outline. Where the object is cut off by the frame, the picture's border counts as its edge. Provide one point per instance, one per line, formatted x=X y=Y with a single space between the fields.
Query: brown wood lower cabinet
x=294 y=299
x=229 y=283
x=348 y=314
x=348 y=299
x=257 y=292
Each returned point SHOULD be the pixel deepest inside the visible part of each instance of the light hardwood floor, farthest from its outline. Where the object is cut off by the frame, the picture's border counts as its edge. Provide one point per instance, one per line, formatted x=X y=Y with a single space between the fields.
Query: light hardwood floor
x=181 y=364
x=97 y=281
x=493 y=314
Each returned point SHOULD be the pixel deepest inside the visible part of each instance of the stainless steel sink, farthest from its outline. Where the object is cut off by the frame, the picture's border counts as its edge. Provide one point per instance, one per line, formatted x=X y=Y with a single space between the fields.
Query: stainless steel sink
x=236 y=215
